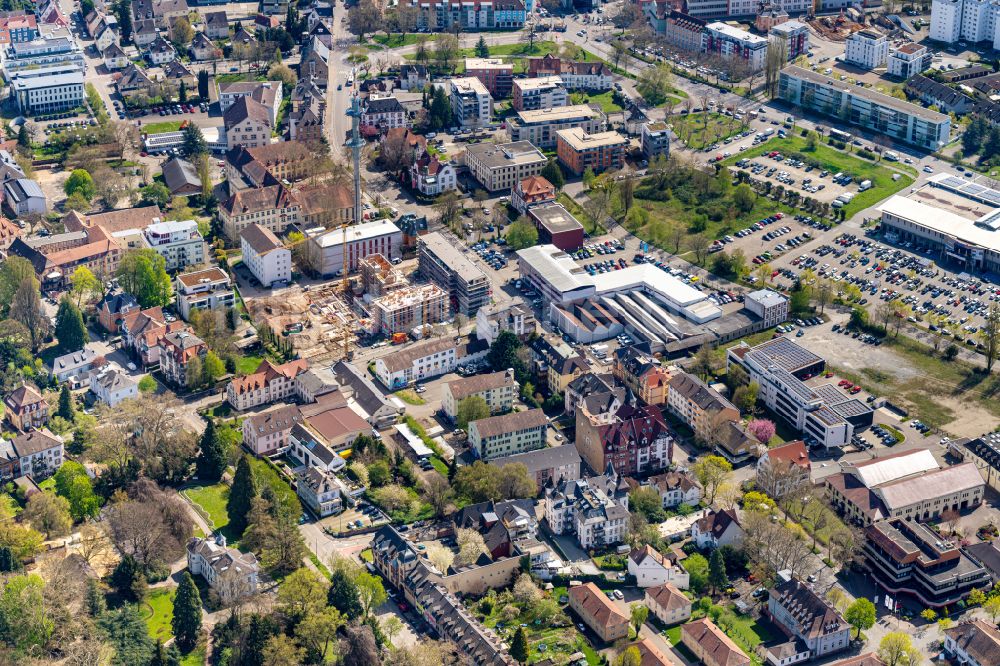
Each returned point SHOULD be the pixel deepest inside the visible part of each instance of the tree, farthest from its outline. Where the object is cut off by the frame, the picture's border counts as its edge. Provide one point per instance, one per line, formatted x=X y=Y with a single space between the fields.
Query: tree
x=301 y=593
x=745 y=397
x=155 y=194
x=193 y=141
x=482 y=50
x=446 y=49
x=860 y=615
x=522 y=234
x=519 y=646
x=703 y=364
x=360 y=647
x=503 y=353
x=990 y=335
x=203 y=84
x=896 y=649
x=129 y=580
x=186 y=622
x=343 y=593
x=717 y=579
x=65 y=409
x=929 y=614
x=630 y=656
x=711 y=472
x=647 y=501
x=317 y=632
x=212 y=455
x=762 y=429
x=697 y=567
x=212 y=367
x=241 y=496
x=143 y=274
x=440 y=556
x=992 y=608
x=49 y=514
x=638 y=614
x=363 y=18
x=79 y=181
x=85 y=286
x=13 y=271
x=371 y=593
x=70 y=329
x=127 y=633
x=552 y=173
x=26 y=309
x=470 y=546
x=655 y=83
x=470 y=409
x=744 y=198
x=440 y=111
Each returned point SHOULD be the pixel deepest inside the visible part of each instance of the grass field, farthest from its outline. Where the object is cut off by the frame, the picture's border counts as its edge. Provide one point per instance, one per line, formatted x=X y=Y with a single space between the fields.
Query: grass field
x=700 y=130
x=410 y=397
x=158 y=611
x=397 y=40
x=162 y=126
x=245 y=365
x=577 y=211
x=833 y=160
x=212 y=500
x=510 y=52
x=605 y=99
x=194 y=658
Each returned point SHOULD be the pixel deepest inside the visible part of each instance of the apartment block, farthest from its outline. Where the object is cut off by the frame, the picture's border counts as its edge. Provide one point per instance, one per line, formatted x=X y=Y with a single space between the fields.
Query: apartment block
x=732 y=43
x=494 y=73
x=575 y=75
x=179 y=243
x=269 y=261
x=908 y=60
x=699 y=406
x=501 y=166
x=794 y=35
x=867 y=49
x=655 y=140
x=441 y=262
x=578 y=151
x=446 y=15
x=539 y=127
x=408 y=308
x=636 y=440
x=895 y=118
x=815 y=628
x=598 y=612
x=498 y=389
x=209 y=289
x=471 y=104
x=508 y=434
x=427 y=359
x=326 y=250
x=594 y=509
x=546 y=92
x=515 y=317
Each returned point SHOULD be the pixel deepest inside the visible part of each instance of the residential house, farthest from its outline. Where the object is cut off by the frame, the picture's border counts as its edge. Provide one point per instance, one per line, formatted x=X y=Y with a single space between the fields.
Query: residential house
x=514 y=316
x=502 y=524
x=413 y=77
x=9 y=231
x=160 y=51
x=268 y=383
x=594 y=509
x=176 y=350
x=74 y=368
x=575 y=75
x=710 y=645
x=208 y=289
x=40 y=453
x=431 y=176
x=530 y=192
x=267 y=93
x=178 y=242
x=636 y=440
x=26 y=409
x=247 y=123
x=269 y=261
x=973 y=642
x=427 y=359
x=496 y=388
x=642 y=374
x=216 y=25
x=815 y=628
x=552 y=464
x=181 y=177
x=144 y=32
x=321 y=491
x=700 y=407
x=668 y=604
x=113 y=386
x=230 y=574
x=651 y=568
x=598 y=612
x=266 y=433
x=308 y=113
x=115 y=58
x=508 y=434
x=384 y=113
x=783 y=469
x=379 y=410
x=202 y=48
x=717 y=528
x=113 y=306
x=132 y=80
x=591 y=384
x=676 y=488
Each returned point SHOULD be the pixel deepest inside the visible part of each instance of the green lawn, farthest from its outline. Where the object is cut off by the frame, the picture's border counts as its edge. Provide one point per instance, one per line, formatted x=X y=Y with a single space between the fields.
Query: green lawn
x=212 y=500
x=396 y=40
x=162 y=126
x=673 y=634
x=194 y=658
x=605 y=100
x=827 y=157
x=700 y=130
x=440 y=465
x=589 y=225
x=546 y=640
x=510 y=52
x=158 y=610
x=246 y=365
x=410 y=397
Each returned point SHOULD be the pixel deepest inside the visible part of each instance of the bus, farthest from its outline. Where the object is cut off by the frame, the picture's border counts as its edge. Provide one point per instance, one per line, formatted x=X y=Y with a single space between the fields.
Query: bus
x=839 y=135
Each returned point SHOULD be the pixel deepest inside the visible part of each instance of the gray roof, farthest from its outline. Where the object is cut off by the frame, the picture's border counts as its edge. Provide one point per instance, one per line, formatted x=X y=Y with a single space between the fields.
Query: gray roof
x=23 y=188
x=113 y=380
x=260 y=239
x=366 y=393
x=179 y=173
x=542 y=459
x=36 y=441
x=494 y=426
x=494 y=155
x=72 y=361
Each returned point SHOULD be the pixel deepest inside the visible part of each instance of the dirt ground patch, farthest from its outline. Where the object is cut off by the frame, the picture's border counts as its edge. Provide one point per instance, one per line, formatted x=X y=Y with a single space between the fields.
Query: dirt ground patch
x=972 y=420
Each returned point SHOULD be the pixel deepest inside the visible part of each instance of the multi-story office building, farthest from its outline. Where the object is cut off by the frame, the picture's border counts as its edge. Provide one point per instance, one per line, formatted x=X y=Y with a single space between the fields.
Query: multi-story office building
x=767 y=304
x=269 y=261
x=508 y=434
x=47 y=90
x=43 y=52
x=546 y=92
x=579 y=151
x=471 y=104
x=794 y=35
x=868 y=49
x=325 y=249
x=729 y=42
x=496 y=388
x=179 y=243
x=895 y=118
x=540 y=126
x=441 y=262
x=501 y=166
x=405 y=309
x=908 y=60
x=204 y=290
x=494 y=73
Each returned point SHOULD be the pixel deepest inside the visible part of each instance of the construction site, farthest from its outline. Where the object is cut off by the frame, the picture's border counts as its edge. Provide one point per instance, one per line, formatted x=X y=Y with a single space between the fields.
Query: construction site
x=838 y=28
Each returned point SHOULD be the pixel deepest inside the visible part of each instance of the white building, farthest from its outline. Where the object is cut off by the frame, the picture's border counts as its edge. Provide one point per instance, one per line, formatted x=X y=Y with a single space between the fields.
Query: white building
x=508 y=434
x=44 y=52
x=267 y=258
x=207 y=289
x=325 y=248
x=384 y=113
x=652 y=569
x=539 y=126
x=471 y=104
x=544 y=92
x=47 y=90
x=769 y=305
x=867 y=49
x=321 y=491
x=113 y=386
x=655 y=139
x=676 y=488
x=909 y=60
x=25 y=197
x=431 y=176
x=160 y=51
x=231 y=574
x=496 y=388
x=427 y=359
x=75 y=367
x=716 y=529
x=594 y=509
x=501 y=166
x=515 y=317
x=39 y=453
x=729 y=42
x=179 y=243
x=268 y=93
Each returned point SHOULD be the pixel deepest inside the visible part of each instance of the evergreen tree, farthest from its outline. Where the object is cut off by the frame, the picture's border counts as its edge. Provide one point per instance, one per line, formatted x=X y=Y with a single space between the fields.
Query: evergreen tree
x=182 y=92
x=194 y=141
x=482 y=50
x=554 y=174
x=211 y=462
x=519 y=646
x=260 y=629
x=8 y=560
x=66 y=404
x=440 y=115
x=186 y=622
x=452 y=468
x=165 y=656
x=70 y=329
x=23 y=140
x=94 y=599
x=717 y=578
x=203 y=85
x=343 y=595
x=241 y=496
x=128 y=579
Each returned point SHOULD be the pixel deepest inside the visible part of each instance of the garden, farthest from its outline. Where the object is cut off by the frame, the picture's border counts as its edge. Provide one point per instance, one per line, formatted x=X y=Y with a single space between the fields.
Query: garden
x=158 y=612
x=700 y=130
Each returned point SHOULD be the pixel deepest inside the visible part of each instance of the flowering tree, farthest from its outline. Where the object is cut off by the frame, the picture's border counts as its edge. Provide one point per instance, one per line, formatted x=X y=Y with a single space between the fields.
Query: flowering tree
x=762 y=429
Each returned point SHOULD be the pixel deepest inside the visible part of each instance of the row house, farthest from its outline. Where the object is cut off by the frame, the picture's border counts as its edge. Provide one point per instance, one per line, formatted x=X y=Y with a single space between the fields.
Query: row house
x=642 y=374
x=498 y=389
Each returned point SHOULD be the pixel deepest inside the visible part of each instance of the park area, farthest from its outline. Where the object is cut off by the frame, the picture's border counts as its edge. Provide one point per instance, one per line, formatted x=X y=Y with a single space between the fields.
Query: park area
x=158 y=612
x=211 y=502
x=698 y=131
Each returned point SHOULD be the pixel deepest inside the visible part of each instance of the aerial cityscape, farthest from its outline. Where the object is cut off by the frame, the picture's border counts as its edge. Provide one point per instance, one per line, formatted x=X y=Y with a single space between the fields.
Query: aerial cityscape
x=500 y=332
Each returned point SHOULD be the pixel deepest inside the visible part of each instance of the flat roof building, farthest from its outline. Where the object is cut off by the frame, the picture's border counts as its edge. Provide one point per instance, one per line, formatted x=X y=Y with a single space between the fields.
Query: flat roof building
x=444 y=264
x=501 y=166
x=557 y=226
x=325 y=248
x=546 y=92
x=471 y=104
x=539 y=126
x=495 y=74
x=579 y=151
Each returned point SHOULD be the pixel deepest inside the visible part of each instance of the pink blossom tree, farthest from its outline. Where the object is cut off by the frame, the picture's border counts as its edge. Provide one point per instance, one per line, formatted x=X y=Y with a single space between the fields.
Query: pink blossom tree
x=762 y=429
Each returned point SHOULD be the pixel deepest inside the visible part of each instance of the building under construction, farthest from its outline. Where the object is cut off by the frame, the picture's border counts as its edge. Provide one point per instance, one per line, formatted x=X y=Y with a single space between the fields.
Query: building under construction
x=331 y=252
x=379 y=277
x=408 y=308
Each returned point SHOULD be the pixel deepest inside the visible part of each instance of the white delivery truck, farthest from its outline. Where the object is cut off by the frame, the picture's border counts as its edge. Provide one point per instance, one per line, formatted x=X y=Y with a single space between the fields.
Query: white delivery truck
x=865 y=185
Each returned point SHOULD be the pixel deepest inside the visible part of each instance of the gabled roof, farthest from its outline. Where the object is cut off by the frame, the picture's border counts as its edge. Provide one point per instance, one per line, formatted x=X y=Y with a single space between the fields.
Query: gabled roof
x=261 y=239
x=714 y=643
x=668 y=597
x=534 y=186
x=246 y=108
x=114 y=51
x=596 y=605
x=259 y=199
x=978 y=639
x=717 y=523
x=23 y=396
x=815 y=617
x=178 y=173
x=266 y=372
x=792 y=453
x=217 y=20
x=642 y=553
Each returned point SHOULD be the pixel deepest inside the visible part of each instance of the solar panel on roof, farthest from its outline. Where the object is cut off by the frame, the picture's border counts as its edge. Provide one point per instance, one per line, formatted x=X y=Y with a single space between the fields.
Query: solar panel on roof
x=974 y=189
x=992 y=196
x=953 y=181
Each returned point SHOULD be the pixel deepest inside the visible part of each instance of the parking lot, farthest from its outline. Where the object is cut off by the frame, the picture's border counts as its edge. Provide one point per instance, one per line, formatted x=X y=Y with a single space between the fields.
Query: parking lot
x=816 y=183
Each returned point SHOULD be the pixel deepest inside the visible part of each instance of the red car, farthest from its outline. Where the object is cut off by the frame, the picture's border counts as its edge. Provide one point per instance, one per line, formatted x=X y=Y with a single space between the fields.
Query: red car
x=855 y=390
x=403 y=607
x=843 y=382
